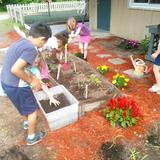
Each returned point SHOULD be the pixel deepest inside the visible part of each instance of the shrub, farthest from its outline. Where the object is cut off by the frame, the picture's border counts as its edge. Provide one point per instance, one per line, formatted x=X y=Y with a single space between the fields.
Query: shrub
x=143 y=44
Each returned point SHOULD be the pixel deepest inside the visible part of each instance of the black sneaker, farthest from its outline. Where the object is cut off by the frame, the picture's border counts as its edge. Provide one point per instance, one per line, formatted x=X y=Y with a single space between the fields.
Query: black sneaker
x=85 y=59
x=37 y=138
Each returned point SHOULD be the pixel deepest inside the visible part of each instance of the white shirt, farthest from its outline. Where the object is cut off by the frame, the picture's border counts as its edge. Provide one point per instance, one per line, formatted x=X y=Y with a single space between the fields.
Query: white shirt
x=50 y=44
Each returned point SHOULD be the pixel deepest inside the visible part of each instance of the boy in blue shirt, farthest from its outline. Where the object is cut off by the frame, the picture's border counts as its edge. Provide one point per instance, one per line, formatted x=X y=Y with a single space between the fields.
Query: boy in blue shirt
x=20 y=55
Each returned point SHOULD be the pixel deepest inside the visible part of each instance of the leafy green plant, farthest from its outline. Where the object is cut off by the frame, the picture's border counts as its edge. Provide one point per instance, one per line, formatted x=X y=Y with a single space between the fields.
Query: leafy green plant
x=52 y=67
x=143 y=44
x=82 y=80
x=135 y=155
x=78 y=54
x=95 y=80
x=122 y=111
x=103 y=69
x=120 y=80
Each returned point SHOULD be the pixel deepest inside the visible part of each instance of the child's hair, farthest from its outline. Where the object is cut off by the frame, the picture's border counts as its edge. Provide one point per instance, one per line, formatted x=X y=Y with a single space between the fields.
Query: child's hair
x=40 y=30
x=13 y=153
x=62 y=38
x=71 y=24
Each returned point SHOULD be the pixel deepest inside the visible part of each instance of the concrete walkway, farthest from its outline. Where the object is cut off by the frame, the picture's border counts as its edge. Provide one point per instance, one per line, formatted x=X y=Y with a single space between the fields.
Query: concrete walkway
x=4 y=16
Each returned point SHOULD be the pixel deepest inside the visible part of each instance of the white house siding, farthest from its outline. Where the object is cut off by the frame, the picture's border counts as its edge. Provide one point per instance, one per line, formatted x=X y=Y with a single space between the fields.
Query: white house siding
x=131 y=23
x=126 y=22
x=93 y=14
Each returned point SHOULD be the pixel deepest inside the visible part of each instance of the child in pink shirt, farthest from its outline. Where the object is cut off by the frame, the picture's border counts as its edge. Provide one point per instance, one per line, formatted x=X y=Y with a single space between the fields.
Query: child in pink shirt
x=83 y=31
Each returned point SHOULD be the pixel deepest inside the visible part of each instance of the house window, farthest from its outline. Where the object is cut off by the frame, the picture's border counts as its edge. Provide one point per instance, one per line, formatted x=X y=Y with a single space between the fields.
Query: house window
x=147 y=1
x=145 y=4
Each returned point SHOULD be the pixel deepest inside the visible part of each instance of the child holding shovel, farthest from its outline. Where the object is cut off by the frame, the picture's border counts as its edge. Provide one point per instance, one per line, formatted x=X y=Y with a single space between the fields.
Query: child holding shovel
x=83 y=31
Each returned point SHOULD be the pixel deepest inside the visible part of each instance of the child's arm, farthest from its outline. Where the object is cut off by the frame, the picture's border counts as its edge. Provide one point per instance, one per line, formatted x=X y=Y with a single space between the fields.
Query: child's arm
x=77 y=32
x=52 y=99
x=73 y=35
x=70 y=36
x=156 y=53
x=18 y=70
x=37 y=73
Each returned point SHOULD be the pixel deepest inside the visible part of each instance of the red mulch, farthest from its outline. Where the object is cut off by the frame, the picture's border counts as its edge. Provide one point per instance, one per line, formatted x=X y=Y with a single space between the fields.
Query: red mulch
x=82 y=140
x=8 y=39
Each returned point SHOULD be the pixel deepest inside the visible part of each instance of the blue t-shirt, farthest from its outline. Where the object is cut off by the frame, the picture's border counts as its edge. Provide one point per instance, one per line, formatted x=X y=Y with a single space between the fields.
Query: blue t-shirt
x=22 y=49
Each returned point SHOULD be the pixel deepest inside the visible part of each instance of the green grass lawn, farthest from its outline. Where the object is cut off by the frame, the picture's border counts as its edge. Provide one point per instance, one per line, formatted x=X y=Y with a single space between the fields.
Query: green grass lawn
x=6 y=26
x=3 y=13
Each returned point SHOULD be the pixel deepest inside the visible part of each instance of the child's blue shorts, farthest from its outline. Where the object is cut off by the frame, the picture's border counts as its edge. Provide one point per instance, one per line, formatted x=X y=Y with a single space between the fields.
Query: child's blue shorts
x=157 y=60
x=22 y=98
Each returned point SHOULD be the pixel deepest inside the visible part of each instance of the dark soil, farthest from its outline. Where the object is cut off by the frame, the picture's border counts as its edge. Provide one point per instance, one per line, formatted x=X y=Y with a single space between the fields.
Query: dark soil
x=112 y=151
x=50 y=108
x=70 y=79
x=153 y=135
x=153 y=139
x=66 y=79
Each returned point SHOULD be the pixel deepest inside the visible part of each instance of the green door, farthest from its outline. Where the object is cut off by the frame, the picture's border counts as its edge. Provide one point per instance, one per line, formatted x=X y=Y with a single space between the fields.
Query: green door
x=104 y=12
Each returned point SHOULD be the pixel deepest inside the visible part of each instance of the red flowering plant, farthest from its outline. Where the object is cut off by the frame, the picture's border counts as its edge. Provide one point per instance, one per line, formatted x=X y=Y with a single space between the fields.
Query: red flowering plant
x=122 y=111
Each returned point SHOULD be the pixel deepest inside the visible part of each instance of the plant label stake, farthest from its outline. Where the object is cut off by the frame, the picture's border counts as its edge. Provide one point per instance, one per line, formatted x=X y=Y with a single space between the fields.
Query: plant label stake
x=65 y=65
x=86 y=91
x=139 y=67
x=59 y=66
x=74 y=66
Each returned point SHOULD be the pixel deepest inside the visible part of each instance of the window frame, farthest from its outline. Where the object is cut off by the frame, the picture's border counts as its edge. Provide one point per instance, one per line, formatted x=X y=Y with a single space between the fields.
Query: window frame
x=143 y=6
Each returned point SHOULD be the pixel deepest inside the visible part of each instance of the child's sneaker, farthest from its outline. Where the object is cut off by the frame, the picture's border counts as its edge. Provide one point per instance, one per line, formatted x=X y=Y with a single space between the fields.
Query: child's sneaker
x=154 y=88
x=85 y=59
x=37 y=138
x=25 y=125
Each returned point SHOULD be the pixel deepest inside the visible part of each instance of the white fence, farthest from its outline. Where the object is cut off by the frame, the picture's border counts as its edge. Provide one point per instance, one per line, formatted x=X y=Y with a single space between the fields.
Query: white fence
x=17 y=11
